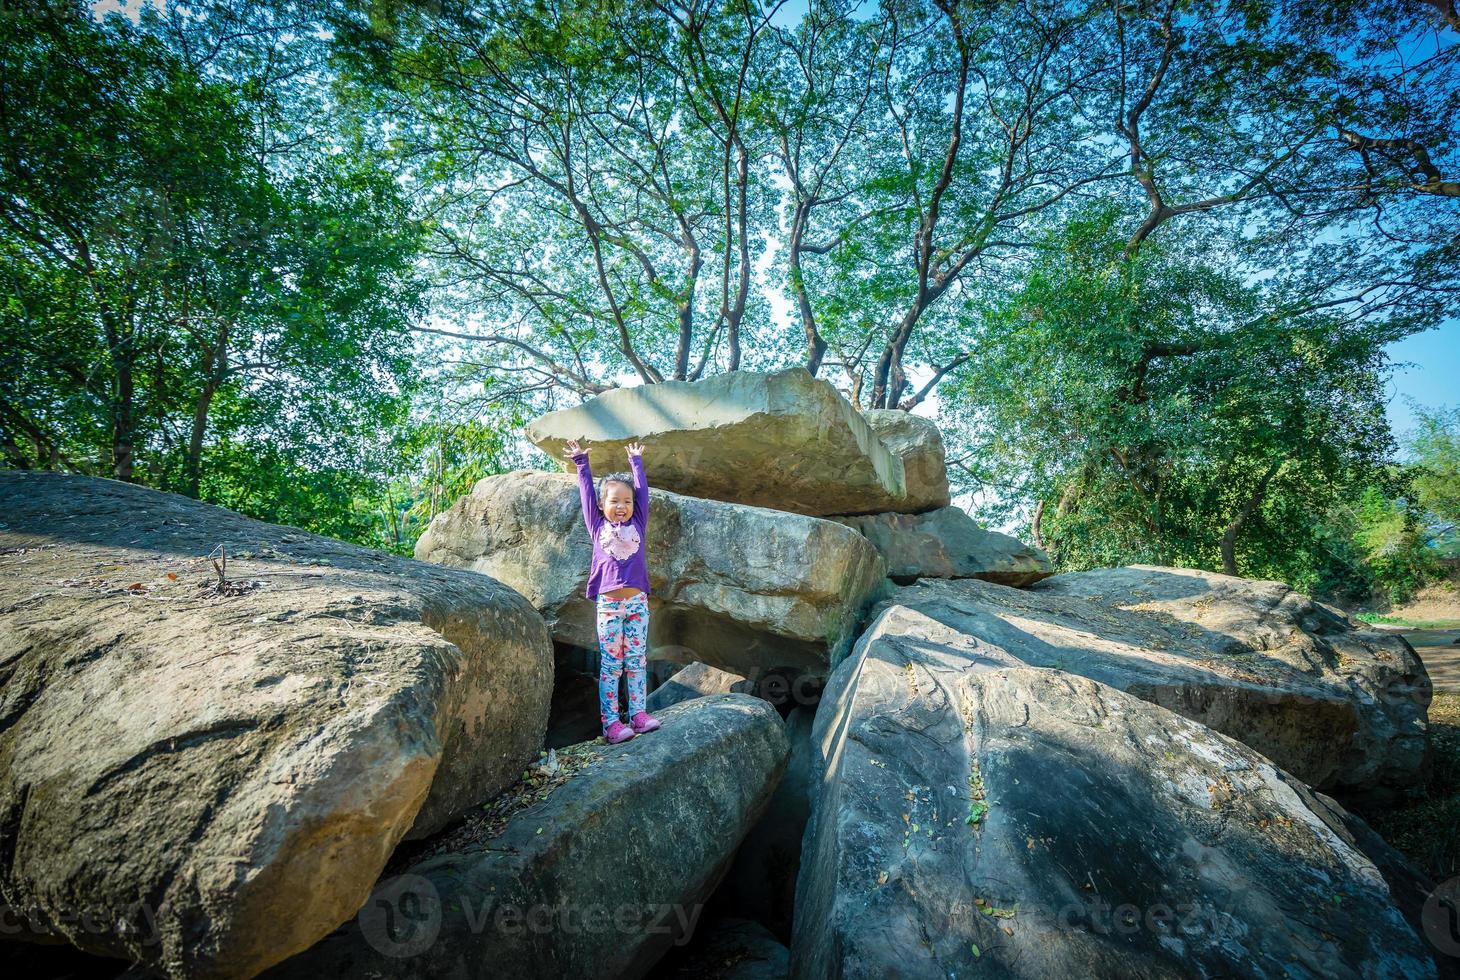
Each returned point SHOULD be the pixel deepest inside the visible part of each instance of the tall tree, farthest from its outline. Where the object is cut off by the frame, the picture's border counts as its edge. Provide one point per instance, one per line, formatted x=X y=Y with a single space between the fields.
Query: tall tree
x=1359 y=260
x=112 y=152
x=178 y=246
x=566 y=153
x=1185 y=460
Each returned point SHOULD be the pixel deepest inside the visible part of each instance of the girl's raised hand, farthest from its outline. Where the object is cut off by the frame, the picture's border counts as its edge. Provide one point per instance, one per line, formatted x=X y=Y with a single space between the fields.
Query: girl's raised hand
x=572 y=448
x=634 y=449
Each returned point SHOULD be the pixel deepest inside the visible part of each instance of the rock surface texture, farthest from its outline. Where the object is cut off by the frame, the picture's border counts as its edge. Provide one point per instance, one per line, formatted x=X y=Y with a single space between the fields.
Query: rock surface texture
x=1342 y=708
x=976 y=819
x=231 y=767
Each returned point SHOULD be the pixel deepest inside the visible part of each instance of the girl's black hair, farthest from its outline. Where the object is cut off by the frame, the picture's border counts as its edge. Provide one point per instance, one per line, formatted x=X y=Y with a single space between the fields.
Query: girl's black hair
x=627 y=479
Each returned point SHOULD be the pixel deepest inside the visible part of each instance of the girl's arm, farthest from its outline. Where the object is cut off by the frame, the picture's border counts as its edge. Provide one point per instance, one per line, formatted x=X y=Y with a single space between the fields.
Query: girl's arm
x=641 y=482
x=586 y=494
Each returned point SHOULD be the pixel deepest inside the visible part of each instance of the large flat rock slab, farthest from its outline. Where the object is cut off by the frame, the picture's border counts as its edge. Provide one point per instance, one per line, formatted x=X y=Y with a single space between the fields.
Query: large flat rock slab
x=234 y=768
x=740 y=588
x=947 y=543
x=972 y=819
x=780 y=439
x=1342 y=708
x=578 y=885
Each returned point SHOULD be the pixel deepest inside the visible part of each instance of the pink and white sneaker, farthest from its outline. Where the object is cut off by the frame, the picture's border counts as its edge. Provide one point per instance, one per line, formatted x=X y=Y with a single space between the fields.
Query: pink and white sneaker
x=618 y=732
x=644 y=722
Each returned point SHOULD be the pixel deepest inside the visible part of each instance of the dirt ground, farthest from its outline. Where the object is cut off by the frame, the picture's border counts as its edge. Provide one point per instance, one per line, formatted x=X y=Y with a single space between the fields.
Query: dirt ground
x=1437 y=603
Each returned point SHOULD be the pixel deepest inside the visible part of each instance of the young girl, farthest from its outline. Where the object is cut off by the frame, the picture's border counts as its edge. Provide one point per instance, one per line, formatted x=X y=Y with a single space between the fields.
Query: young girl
x=618 y=579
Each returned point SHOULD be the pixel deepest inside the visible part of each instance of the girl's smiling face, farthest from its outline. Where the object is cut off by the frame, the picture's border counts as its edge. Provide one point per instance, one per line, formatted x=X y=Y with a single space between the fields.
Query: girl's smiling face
x=618 y=503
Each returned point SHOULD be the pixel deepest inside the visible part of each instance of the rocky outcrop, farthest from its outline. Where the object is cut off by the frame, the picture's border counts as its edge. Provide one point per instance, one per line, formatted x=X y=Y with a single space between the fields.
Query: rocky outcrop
x=696 y=681
x=217 y=768
x=947 y=543
x=924 y=465
x=977 y=819
x=1099 y=774
x=740 y=588
x=1341 y=708
x=579 y=884
x=781 y=439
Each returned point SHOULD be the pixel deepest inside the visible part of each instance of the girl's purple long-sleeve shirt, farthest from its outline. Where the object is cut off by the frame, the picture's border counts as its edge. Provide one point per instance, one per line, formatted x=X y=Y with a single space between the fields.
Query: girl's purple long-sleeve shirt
x=618 y=548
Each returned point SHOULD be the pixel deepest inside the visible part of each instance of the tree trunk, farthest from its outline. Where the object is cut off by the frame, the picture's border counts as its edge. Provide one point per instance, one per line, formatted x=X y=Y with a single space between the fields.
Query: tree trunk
x=815 y=345
x=192 y=476
x=737 y=313
x=879 y=377
x=48 y=454
x=123 y=424
x=888 y=378
x=687 y=303
x=215 y=371
x=14 y=455
x=1229 y=537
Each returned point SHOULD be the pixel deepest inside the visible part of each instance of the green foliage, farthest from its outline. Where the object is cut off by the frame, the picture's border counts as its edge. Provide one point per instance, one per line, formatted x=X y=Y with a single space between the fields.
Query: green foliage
x=447 y=459
x=1153 y=404
x=1435 y=469
x=1395 y=546
x=380 y=491
x=1323 y=556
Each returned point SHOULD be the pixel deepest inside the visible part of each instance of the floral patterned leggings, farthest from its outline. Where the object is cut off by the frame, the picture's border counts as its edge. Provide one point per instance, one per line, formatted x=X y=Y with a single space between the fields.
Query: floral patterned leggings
x=623 y=642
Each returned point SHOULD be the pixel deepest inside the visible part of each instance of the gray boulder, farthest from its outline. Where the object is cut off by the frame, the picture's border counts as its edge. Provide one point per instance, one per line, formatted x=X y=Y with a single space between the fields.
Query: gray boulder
x=740 y=588
x=578 y=884
x=781 y=439
x=1346 y=708
x=975 y=819
x=947 y=543
x=217 y=773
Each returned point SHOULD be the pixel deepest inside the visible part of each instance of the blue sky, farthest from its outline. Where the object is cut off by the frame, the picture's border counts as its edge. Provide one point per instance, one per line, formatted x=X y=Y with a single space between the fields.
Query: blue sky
x=1430 y=377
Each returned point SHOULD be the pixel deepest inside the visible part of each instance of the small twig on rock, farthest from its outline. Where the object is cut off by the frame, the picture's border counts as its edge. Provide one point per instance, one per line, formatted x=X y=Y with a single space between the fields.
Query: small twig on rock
x=223 y=587
x=204 y=660
x=220 y=565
